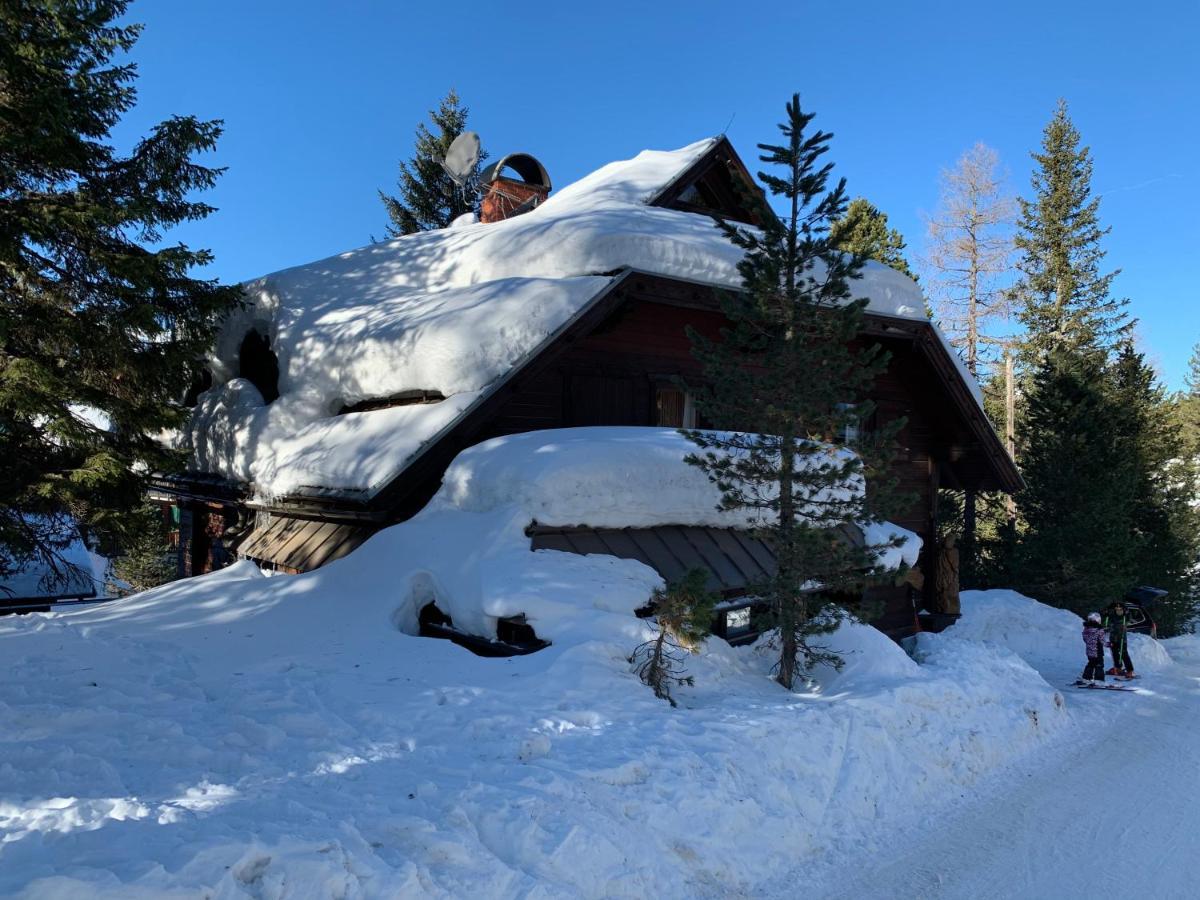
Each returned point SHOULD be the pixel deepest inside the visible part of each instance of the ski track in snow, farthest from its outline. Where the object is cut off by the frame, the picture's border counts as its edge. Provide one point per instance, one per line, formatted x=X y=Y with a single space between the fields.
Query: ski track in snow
x=1109 y=811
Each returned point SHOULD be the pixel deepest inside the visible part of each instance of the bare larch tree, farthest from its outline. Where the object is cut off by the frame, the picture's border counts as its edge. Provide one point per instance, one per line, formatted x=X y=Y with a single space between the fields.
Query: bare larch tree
x=970 y=249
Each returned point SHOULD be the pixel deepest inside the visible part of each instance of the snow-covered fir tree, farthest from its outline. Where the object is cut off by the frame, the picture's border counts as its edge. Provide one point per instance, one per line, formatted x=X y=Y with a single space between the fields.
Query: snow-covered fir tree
x=784 y=374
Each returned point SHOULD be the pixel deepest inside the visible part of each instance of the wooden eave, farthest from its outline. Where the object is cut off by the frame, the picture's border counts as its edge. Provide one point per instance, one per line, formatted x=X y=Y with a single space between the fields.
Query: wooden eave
x=922 y=334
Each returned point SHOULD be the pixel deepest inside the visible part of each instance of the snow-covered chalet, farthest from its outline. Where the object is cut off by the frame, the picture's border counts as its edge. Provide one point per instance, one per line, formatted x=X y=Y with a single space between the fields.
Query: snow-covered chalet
x=343 y=389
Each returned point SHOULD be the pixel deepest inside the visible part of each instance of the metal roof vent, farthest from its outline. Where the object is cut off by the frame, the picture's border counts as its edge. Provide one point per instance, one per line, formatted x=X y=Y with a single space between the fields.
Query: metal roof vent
x=505 y=196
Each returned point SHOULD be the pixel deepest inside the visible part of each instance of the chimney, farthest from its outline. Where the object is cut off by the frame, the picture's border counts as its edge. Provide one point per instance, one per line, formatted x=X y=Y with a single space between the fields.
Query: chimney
x=505 y=196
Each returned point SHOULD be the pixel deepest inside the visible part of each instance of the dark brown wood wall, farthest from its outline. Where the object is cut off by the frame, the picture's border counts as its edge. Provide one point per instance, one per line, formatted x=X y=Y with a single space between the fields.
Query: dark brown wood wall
x=609 y=377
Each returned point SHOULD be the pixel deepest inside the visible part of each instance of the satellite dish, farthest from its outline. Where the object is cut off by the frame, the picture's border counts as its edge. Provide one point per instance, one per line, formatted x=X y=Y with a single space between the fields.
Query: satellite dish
x=462 y=157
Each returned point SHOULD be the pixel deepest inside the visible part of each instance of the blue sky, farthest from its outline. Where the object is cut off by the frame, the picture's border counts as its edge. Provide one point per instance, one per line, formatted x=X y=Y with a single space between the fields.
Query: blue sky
x=320 y=101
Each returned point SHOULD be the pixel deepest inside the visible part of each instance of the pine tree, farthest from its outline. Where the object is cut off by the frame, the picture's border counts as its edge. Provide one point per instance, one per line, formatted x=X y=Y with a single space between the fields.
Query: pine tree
x=100 y=320
x=1075 y=550
x=1080 y=473
x=146 y=561
x=427 y=197
x=785 y=372
x=863 y=229
x=683 y=612
x=1187 y=410
x=1164 y=526
x=1062 y=293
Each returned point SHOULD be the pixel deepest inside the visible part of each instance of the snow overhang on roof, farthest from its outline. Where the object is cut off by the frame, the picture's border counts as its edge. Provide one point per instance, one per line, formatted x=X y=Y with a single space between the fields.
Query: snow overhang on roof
x=446 y=313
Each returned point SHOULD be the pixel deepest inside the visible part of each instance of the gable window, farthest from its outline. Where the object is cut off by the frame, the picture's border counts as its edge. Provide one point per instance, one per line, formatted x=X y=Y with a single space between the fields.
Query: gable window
x=673 y=407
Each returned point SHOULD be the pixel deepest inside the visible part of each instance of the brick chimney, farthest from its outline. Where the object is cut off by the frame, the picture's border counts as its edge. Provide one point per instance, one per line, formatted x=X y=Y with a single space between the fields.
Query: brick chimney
x=505 y=196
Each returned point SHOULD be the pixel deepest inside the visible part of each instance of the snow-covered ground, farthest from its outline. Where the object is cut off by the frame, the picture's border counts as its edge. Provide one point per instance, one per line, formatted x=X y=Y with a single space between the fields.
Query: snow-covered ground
x=1110 y=811
x=241 y=736
x=210 y=739
x=202 y=740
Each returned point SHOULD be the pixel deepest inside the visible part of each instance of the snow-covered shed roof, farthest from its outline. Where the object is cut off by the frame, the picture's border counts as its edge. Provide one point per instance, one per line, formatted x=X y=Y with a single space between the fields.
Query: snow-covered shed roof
x=447 y=312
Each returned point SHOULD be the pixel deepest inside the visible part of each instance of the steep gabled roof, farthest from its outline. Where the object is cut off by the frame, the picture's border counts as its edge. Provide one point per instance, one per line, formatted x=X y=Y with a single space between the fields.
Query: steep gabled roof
x=452 y=314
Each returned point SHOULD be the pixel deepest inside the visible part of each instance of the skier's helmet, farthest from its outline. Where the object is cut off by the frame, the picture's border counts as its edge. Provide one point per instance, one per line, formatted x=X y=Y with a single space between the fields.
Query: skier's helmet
x=1094 y=617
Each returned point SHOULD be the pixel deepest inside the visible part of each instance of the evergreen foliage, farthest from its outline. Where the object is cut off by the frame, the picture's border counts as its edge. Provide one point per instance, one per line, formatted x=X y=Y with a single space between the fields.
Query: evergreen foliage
x=100 y=322
x=1074 y=551
x=785 y=375
x=1063 y=294
x=683 y=612
x=863 y=229
x=1109 y=479
x=427 y=198
x=145 y=561
x=1186 y=410
x=1164 y=527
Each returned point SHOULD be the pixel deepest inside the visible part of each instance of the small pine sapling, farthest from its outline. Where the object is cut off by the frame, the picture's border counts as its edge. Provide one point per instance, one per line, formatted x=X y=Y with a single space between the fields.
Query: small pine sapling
x=683 y=611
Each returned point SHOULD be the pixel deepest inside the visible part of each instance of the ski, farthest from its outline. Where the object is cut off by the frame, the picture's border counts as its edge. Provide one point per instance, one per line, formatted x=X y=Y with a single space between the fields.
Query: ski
x=1103 y=687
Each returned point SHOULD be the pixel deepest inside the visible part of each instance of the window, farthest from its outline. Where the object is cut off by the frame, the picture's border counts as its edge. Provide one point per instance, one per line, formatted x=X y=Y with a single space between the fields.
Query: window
x=673 y=408
x=851 y=430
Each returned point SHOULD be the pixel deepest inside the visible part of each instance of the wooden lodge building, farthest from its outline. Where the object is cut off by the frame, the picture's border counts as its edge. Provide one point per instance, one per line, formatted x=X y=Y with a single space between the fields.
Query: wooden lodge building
x=633 y=250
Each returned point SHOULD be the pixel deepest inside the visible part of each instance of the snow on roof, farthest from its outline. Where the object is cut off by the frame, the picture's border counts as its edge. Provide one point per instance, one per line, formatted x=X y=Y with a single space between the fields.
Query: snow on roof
x=449 y=311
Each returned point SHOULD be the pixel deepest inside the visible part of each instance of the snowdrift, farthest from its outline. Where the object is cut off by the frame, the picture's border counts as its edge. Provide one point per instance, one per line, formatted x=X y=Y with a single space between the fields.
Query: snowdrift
x=1039 y=633
x=236 y=735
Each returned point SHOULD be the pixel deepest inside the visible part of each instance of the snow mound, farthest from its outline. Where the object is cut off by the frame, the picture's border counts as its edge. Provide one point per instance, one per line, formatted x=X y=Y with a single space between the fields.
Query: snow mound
x=448 y=311
x=1184 y=648
x=869 y=659
x=1037 y=632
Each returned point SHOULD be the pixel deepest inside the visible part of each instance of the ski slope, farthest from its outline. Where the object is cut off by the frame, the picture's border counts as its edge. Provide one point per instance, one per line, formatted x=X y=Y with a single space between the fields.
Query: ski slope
x=1113 y=812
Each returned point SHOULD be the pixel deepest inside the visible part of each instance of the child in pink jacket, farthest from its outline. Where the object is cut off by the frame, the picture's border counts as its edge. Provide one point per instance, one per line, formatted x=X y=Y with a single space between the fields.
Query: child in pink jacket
x=1093 y=644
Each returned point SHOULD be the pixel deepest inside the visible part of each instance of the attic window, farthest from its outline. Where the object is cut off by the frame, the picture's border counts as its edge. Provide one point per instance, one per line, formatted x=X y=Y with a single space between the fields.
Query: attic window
x=696 y=195
x=259 y=365
x=718 y=190
x=404 y=398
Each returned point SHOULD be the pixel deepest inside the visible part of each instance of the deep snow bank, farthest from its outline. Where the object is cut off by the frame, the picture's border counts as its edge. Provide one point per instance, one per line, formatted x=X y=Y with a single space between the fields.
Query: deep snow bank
x=229 y=737
x=1037 y=632
x=468 y=553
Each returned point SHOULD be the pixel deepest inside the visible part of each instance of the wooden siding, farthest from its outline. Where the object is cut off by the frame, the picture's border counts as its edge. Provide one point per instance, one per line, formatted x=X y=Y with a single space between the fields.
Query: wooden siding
x=300 y=545
x=735 y=560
